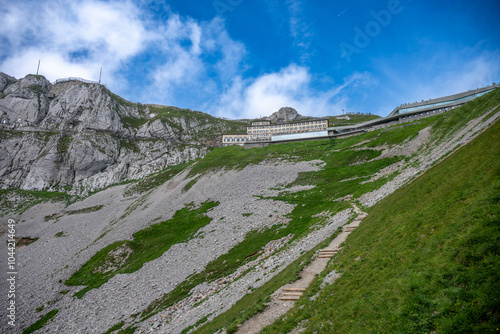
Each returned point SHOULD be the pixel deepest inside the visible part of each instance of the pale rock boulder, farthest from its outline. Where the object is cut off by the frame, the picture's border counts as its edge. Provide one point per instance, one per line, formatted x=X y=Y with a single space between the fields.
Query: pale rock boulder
x=285 y=114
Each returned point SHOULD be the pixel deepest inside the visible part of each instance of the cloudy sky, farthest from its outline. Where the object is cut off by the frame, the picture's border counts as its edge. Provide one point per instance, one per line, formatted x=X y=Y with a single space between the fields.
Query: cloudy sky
x=248 y=58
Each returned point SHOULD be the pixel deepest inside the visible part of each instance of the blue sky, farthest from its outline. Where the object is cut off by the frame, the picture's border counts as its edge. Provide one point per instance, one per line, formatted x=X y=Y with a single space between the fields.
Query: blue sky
x=245 y=59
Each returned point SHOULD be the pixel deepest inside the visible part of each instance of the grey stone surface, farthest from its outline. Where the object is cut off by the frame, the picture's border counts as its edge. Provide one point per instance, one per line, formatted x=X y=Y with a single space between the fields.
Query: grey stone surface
x=47 y=263
x=285 y=114
x=75 y=135
x=5 y=80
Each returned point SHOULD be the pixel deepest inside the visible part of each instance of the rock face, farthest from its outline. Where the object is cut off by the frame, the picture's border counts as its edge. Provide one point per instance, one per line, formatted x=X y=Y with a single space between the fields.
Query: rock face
x=285 y=114
x=80 y=137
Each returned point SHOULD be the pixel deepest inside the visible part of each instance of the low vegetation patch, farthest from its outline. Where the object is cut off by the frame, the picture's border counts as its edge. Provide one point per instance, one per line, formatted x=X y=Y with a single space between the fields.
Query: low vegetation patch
x=190 y=184
x=354 y=119
x=56 y=216
x=24 y=241
x=134 y=122
x=40 y=323
x=129 y=144
x=115 y=327
x=148 y=244
x=85 y=210
x=18 y=200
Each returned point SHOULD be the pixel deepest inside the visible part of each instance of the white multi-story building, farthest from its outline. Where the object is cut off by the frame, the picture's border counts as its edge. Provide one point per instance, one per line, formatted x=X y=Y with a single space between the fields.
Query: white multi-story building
x=264 y=130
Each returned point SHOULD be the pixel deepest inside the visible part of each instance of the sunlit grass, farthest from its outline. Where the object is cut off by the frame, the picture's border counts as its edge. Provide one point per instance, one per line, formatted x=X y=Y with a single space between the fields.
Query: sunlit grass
x=425 y=259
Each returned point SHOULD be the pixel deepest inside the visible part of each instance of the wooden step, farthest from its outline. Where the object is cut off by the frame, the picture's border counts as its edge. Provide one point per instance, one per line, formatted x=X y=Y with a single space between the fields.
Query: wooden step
x=289 y=298
x=324 y=256
x=329 y=250
x=294 y=289
x=292 y=294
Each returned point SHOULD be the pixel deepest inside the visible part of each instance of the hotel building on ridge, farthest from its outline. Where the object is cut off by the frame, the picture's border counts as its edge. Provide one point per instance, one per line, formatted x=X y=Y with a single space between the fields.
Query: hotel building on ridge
x=264 y=130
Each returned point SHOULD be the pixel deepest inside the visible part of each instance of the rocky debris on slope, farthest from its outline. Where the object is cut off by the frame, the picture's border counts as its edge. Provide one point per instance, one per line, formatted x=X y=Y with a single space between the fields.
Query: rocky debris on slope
x=205 y=290
x=80 y=136
x=58 y=257
x=224 y=299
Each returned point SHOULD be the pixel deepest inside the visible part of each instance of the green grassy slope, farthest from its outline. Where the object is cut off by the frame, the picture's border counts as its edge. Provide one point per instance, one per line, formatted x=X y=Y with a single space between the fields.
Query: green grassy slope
x=426 y=259
x=354 y=119
x=330 y=183
x=169 y=115
x=343 y=173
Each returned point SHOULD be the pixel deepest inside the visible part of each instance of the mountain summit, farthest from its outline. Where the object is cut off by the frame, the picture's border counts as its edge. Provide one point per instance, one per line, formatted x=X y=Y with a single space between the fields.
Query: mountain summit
x=285 y=114
x=79 y=137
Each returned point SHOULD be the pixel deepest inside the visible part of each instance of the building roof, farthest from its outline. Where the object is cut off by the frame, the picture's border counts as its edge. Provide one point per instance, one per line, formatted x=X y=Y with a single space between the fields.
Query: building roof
x=443 y=102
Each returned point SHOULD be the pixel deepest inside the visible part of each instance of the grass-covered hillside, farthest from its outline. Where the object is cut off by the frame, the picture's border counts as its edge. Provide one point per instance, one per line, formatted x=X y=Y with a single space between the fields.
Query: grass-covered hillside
x=354 y=119
x=198 y=124
x=425 y=260
x=203 y=247
x=203 y=125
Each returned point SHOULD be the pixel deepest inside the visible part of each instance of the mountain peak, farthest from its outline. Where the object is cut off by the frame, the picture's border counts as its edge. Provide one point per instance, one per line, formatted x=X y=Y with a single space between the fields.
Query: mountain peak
x=285 y=114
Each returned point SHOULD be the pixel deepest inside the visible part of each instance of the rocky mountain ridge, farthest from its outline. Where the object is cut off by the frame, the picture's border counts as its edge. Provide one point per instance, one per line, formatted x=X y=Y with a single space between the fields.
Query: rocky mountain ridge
x=285 y=114
x=80 y=137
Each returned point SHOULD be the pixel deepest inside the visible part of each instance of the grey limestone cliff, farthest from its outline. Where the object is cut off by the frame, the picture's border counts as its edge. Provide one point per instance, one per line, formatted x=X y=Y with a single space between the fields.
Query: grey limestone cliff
x=79 y=137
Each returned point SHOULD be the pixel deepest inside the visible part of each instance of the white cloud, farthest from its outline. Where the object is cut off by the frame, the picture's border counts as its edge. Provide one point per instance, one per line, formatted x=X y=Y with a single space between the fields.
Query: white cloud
x=54 y=65
x=196 y=57
x=463 y=75
x=292 y=86
x=78 y=38
x=70 y=39
x=189 y=63
x=299 y=30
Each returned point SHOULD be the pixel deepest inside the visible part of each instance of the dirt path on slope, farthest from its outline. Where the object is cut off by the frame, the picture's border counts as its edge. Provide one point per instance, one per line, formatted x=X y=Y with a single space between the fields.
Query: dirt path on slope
x=278 y=307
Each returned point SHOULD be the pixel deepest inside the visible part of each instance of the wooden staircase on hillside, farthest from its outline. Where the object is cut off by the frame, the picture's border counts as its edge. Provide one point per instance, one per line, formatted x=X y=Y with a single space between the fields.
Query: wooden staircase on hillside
x=291 y=294
x=349 y=228
x=327 y=253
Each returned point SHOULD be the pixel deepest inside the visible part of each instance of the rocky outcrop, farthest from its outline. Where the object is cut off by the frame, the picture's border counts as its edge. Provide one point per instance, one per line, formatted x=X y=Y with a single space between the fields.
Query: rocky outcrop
x=285 y=114
x=79 y=137
x=5 y=80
